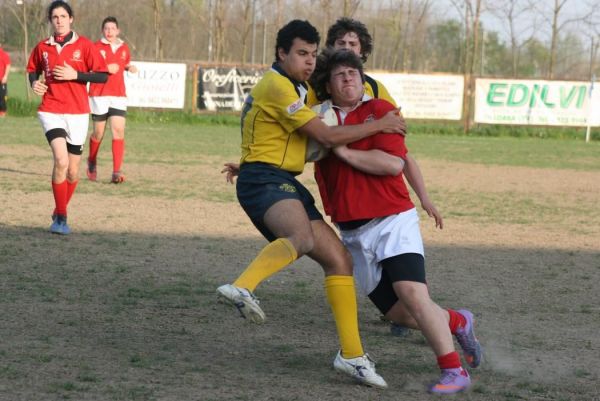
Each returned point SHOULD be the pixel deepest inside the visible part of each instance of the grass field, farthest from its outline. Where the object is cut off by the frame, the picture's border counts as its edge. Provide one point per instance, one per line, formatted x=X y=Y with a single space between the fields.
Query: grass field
x=125 y=307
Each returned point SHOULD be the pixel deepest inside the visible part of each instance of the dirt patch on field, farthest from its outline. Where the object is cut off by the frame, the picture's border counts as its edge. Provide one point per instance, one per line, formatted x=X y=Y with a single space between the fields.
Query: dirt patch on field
x=124 y=308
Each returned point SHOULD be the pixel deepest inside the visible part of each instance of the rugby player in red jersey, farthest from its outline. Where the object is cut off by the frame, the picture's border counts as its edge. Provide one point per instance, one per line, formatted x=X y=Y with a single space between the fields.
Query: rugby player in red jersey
x=59 y=69
x=108 y=101
x=363 y=191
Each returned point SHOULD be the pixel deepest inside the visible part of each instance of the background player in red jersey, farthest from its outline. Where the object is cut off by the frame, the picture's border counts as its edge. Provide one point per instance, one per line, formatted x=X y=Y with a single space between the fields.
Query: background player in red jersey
x=4 y=70
x=66 y=62
x=363 y=191
x=108 y=101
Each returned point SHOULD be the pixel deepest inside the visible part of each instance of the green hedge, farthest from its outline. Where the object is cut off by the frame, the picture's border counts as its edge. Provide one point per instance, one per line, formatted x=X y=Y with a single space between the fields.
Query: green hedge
x=23 y=108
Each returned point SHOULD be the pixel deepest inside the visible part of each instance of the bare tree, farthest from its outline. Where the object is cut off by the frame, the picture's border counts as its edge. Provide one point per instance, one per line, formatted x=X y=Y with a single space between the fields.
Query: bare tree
x=519 y=22
x=158 y=50
x=557 y=23
x=472 y=13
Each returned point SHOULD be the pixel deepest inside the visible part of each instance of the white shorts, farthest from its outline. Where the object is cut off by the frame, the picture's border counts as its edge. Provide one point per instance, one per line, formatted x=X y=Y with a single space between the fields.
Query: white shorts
x=101 y=104
x=76 y=125
x=380 y=239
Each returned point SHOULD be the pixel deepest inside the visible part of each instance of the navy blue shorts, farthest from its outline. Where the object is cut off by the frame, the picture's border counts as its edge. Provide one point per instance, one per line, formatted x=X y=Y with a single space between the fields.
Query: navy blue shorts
x=259 y=186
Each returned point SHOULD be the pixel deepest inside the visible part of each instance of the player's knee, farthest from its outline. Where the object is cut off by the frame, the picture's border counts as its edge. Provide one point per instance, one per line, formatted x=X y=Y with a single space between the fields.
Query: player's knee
x=413 y=297
x=61 y=163
x=338 y=262
x=304 y=244
x=72 y=174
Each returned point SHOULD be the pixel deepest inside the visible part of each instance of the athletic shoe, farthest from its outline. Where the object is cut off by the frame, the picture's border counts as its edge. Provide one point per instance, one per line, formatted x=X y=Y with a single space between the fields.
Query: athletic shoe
x=468 y=342
x=60 y=226
x=117 y=177
x=451 y=381
x=243 y=300
x=398 y=330
x=362 y=369
x=91 y=170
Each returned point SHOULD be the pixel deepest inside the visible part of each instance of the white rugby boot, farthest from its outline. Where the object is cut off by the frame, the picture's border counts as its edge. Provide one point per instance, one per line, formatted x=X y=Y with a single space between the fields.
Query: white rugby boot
x=243 y=300
x=362 y=369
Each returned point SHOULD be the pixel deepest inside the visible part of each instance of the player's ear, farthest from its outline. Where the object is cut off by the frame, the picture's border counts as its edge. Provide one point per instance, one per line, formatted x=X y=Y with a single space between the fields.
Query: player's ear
x=281 y=53
x=327 y=88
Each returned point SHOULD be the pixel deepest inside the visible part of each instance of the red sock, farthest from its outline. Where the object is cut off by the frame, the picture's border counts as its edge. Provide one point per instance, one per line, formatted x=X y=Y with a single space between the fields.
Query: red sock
x=60 y=197
x=94 y=147
x=456 y=320
x=118 y=149
x=70 y=189
x=449 y=361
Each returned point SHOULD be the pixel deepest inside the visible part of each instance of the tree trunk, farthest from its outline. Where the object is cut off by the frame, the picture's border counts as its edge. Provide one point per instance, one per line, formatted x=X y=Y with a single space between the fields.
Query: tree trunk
x=158 y=50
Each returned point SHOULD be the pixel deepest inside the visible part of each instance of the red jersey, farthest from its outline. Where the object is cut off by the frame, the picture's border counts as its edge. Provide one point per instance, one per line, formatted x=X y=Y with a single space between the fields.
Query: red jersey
x=4 y=62
x=112 y=54
x=349 y=194
x=65 y=97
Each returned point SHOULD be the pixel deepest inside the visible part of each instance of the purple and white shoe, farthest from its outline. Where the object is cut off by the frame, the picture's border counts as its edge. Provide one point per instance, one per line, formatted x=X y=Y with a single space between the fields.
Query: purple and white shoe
x=451 y=381
x=470 y=345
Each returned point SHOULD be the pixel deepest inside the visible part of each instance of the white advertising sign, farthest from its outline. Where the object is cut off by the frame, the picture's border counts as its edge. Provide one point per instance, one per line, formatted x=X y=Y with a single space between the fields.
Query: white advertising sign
x=160 y=85
x=536 y=102
x=431 y=97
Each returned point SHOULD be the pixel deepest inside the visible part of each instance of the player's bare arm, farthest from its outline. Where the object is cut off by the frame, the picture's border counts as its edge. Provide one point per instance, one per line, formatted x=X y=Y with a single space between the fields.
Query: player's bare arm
x=392 y=122
x=413 y=175
x=372 y=161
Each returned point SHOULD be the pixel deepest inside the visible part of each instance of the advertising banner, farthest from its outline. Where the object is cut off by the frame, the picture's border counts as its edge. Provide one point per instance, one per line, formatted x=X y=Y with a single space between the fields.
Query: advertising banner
x=225 y=88
x=536 y=102
x=160 y=85
x=431 y=97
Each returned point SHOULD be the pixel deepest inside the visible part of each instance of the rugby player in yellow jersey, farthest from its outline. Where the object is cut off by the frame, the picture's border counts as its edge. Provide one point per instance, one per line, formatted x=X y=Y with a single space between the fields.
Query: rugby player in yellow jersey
x=350 y=34
x=276 y=124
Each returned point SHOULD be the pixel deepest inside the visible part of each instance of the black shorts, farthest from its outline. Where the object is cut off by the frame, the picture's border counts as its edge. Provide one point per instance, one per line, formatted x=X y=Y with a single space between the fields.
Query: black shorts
x=260 y=186
x=405 y=267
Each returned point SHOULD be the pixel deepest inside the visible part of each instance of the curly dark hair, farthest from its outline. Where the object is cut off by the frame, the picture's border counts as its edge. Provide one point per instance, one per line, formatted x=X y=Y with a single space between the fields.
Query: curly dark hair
x=59 y=4
x=292 y=30
x=327 y=61
x=344 y=25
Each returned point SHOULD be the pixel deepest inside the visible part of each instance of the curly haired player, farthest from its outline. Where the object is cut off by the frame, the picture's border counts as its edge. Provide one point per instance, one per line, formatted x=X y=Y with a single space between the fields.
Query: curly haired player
x=363 y=191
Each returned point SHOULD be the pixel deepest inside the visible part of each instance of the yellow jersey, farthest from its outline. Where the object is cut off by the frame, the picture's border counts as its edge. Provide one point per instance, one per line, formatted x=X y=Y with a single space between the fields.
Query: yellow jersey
x=273 y=111
x=373 y=88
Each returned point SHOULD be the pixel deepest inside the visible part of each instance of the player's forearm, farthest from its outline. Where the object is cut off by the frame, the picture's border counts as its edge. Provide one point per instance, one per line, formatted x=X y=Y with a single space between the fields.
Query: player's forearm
x=94 y=77
x=413 y=175
x=374 y=161
x=345 y=134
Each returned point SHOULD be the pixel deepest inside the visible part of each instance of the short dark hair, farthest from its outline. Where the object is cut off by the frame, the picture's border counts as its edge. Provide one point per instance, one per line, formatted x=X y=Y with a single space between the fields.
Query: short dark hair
x=327 y=61
x=344 y=25
x=292 y=30
x=110 y=19
x=59 y=4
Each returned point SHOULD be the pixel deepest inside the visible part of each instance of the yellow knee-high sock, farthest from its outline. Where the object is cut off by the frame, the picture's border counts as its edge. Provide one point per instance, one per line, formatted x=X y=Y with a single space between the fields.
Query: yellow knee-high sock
x=342 y=299
x=272 y=258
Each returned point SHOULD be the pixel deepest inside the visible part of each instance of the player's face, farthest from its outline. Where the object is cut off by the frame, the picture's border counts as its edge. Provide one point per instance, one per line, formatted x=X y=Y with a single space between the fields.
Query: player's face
x=61 y=21
x=345 y=86
x=300 y=62
x=349 y=41
x=110 y=31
